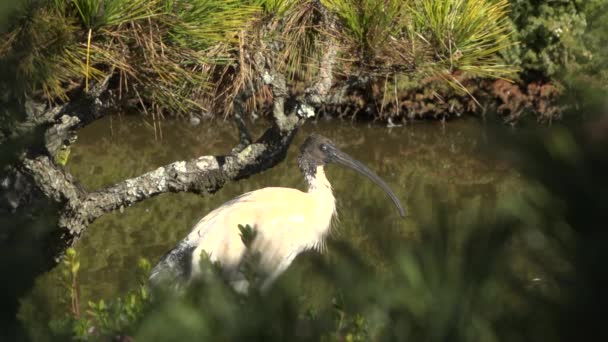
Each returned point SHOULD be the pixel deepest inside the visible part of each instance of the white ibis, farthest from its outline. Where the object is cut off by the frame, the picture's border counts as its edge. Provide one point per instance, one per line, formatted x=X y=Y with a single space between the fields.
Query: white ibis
x=286 y=222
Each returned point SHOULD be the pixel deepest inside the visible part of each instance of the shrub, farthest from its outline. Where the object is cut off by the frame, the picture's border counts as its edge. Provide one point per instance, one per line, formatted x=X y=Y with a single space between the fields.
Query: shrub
x=555 y=36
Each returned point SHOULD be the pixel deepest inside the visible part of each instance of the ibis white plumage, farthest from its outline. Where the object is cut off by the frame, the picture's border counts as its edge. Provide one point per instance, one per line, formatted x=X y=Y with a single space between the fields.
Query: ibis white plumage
x=286 y=222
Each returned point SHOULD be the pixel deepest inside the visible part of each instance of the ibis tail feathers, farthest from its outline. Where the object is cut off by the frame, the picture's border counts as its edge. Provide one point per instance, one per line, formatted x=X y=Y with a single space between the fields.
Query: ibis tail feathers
x=174 y=268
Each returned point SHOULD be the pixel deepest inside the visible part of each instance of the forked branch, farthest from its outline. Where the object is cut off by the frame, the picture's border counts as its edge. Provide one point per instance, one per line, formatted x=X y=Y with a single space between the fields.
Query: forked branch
x=201 y=175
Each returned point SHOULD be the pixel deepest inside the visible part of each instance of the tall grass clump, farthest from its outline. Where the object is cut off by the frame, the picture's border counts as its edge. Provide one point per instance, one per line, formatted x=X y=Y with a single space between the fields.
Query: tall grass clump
x=276 y=7
x=373 y=28
x=183 y=57
x=40 y=54
x=302 y=36
x=160 y=53
x=464 y=35
x=425 y=38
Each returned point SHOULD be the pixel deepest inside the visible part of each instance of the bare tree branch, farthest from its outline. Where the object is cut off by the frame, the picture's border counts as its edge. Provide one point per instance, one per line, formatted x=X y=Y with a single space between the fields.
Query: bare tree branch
x=53 y=181
x=239 y=109
x=318 y=92
x=85 y=108
x=202 y=175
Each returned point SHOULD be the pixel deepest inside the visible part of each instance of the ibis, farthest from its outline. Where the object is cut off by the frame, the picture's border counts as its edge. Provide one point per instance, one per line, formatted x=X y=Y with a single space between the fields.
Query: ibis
x=285 y=221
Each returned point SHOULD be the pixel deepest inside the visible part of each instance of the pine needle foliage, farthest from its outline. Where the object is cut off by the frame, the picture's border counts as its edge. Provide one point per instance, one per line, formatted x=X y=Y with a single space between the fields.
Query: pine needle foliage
x=423 y=39
x=181 y=57
x=464 y=35
x=302 y=36
x=161 y=51
x=369 y=25
x=276 y=7
x=43 y=52
x=197 y=24
x=104 y=13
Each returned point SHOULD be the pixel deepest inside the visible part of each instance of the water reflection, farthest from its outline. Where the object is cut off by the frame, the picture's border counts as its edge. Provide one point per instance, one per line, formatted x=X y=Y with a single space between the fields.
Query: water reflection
x=414 y=160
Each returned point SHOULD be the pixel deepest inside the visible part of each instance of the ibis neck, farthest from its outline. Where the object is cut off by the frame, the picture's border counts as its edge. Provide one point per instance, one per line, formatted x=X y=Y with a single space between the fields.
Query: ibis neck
x=317 y=181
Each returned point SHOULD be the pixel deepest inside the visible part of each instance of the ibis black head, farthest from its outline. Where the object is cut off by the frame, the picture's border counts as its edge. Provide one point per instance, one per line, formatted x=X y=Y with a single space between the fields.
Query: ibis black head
x=317 y=151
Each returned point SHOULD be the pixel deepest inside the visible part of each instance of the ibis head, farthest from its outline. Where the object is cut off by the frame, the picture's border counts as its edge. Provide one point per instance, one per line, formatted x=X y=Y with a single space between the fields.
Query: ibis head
x=318 y=151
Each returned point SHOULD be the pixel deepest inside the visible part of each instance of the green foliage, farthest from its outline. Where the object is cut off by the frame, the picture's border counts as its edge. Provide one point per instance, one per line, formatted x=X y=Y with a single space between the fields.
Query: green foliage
x=249 y=267
x=558 y=37
x=172 y=48
x=594 y=61
x=100 y=13
x=7 y=9
x=198 y=24
x=302 y=37
x=101 y=320
x=248 y=234
x=183 y=56
x=276 y=7
x=431 y=286
x=370 y=23
x=71 y=266
x=61 y=158
x=466 y=35
x=550 y=34
x=435 y=37
x=42 y=52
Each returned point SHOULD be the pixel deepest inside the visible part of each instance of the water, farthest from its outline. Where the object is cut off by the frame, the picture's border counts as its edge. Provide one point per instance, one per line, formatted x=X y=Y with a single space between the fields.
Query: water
x=415 y=160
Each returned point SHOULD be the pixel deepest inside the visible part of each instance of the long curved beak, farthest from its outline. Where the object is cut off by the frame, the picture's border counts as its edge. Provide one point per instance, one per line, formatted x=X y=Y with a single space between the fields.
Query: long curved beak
x=339 y=157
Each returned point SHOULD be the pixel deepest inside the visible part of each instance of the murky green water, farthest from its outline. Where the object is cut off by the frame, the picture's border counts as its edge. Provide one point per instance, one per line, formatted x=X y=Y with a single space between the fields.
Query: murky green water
x=414 y=160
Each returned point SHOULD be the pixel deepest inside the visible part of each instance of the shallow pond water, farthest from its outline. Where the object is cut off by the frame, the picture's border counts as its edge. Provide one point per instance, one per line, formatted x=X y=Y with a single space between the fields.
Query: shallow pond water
x=422 y=163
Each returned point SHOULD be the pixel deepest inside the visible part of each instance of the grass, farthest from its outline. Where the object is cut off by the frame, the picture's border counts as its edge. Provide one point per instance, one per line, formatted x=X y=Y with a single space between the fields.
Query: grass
x=368 y=25
x=407 y=44
x=107 y=13
x=276 y=7
x=434 y=36
x=464 y=36
x=183 y=57
x=162 y=52
x=301 y=34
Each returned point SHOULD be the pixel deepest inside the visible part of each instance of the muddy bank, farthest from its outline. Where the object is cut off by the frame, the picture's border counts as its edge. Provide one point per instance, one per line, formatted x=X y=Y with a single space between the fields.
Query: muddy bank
x=437 y=100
